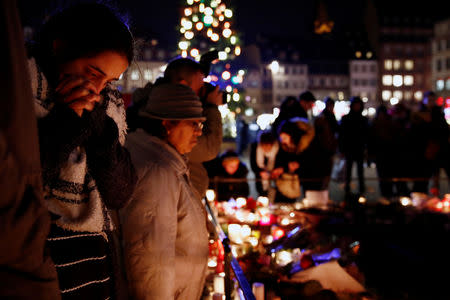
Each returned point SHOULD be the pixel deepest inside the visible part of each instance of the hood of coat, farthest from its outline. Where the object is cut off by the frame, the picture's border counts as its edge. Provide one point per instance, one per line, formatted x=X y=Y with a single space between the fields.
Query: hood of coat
x=155 y=147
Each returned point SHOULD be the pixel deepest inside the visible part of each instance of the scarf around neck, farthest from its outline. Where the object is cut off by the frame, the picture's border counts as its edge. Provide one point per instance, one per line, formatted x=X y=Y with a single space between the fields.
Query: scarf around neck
x=74 y=196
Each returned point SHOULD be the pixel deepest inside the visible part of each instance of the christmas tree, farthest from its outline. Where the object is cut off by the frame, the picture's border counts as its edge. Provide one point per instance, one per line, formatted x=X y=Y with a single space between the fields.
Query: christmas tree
x=207 y=25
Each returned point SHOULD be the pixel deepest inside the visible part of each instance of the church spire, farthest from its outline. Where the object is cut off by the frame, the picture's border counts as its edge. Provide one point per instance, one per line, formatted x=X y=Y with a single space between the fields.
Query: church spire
x=322 y=24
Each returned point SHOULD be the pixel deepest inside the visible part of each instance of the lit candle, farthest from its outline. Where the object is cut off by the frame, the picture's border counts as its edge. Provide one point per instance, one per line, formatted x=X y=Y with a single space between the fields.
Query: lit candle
x=210 y=195
x=241 y=202
x=234 y=233
x=263 y=201
x=219 y=285
x=258 y=290
x=246 y=231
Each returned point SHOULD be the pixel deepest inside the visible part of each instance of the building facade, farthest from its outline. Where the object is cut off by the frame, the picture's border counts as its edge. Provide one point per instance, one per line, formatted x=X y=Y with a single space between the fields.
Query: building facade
x=440 y=65
x=404 y=60
x=363 y=79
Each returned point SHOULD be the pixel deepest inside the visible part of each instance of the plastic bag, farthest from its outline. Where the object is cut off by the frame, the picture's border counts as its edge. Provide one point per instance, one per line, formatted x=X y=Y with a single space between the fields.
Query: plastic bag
x=289 y=185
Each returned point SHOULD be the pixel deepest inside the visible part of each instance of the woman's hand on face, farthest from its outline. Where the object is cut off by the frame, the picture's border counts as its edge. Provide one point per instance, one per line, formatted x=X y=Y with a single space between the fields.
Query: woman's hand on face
x=78 y=93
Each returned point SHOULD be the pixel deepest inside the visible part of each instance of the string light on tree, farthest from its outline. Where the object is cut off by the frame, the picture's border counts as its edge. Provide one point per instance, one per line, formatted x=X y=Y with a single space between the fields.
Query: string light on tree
x=207 y=25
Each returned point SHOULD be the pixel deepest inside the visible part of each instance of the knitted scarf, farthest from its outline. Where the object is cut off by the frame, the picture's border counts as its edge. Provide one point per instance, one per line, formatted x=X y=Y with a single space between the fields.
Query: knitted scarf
x=74 y=196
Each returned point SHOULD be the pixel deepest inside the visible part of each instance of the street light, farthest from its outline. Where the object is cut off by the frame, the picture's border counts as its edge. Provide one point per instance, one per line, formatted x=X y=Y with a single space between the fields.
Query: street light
x=274 y=67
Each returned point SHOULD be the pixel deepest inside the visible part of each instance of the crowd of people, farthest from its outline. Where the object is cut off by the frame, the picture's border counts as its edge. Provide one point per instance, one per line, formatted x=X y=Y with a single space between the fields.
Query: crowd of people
x=113 y=207
x=299 y=153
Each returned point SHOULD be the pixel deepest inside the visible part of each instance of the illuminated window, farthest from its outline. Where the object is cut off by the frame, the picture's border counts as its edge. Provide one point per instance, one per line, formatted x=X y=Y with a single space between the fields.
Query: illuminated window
x=418 y=95
x=408 y=80
x=388 y=64
x=440 y=84
x=386 y=95
x=387 y=80
x=396 y=64
x=409 y=64
x=398 y=95
x=148 y=75
x=394 y=101
x=397 y=80
x=134 y=75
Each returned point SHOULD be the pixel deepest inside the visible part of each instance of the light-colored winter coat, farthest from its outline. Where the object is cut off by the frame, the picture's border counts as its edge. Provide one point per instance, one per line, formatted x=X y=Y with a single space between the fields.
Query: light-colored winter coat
x=164 y=226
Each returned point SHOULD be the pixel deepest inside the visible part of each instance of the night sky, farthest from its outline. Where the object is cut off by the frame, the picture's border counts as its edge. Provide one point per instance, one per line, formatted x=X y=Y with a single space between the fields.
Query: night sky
x=282 y=18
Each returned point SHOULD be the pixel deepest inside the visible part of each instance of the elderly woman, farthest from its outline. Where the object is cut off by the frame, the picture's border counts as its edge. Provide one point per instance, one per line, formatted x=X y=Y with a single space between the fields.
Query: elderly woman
x=164 y=226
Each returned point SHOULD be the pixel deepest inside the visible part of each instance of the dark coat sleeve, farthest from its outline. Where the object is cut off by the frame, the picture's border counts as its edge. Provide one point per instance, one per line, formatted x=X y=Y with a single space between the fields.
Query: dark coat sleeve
x=60 y=132
x=110 y=164
x=27 y=271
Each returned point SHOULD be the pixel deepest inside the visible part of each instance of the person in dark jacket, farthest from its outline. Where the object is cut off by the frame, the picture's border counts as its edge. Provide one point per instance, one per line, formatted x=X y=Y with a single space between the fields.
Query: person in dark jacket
x=380 y=148
x=87 y=172
x=317 y=160
x=402 y=139
x=431 y=134
x=229 y=176
x=26 y=270
x=294 y=135
x=289 y=108
x=353 y=141
x=306 y=100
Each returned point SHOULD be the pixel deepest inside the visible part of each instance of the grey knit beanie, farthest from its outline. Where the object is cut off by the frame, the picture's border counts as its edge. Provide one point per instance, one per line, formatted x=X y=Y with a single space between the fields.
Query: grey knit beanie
x=168 y=101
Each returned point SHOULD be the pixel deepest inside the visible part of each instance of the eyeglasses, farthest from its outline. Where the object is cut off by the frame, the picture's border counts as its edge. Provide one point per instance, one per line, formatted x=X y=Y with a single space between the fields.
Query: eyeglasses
x=197 y=126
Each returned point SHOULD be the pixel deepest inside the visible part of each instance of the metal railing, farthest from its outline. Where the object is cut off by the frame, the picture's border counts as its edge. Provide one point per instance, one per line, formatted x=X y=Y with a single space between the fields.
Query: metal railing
x=231 y=263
